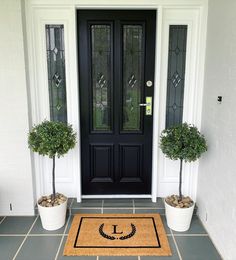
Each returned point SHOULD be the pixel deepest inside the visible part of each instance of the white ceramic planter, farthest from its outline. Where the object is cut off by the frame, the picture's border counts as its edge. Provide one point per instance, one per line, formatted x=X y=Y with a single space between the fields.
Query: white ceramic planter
x=53 y=218
x=179 y=219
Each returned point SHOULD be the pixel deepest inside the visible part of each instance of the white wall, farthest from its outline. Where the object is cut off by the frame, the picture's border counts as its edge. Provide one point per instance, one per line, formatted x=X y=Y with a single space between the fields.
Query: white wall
x=15 y=163
x=217 y=171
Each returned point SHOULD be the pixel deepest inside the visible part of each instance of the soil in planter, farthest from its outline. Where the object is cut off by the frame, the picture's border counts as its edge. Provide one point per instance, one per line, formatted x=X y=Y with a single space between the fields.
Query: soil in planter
x=174 y=201
x=48 y=201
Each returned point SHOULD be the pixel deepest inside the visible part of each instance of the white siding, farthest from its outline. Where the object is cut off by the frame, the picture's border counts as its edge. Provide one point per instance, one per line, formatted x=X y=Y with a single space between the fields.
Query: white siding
x=15 y=163
x=217 y=171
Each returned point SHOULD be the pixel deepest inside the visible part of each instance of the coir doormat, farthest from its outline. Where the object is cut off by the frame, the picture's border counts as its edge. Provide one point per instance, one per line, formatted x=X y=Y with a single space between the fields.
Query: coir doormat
x=117 y=235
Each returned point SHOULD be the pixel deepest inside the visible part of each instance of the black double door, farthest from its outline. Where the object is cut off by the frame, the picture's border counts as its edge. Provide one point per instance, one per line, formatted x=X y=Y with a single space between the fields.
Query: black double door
x=116 y=52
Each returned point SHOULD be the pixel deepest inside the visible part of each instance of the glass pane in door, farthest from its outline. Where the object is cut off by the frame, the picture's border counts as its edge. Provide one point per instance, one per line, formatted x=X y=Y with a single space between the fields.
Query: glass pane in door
x=101 y=76
x=133 y=52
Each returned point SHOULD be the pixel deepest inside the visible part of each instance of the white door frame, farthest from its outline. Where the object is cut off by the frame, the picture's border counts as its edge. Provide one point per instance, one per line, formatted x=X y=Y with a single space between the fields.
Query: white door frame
x=41 y=12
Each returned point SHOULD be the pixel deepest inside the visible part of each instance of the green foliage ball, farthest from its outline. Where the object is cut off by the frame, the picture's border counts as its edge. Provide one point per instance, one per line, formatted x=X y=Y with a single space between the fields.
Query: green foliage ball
x=52 y=138
x=182 y=142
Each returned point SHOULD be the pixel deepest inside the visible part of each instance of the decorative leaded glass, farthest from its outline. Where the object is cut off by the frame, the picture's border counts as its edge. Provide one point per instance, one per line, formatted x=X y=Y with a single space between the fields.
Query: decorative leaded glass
x=56 y=72
x=132 y=76
x=101 y=76
x=176 y=74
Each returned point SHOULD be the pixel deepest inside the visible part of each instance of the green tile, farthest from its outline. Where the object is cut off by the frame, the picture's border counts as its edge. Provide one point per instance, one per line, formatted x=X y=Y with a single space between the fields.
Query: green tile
x=196 y=248
x=167 y=229
x=39 y=248
x=118 y=257
x=117 y=211
x=196 y=227
x=38 y=228
x=144 y=211
x=16 y=225
x=118 y=203
x=85 y=211
x=87 y=203
x=9 y=246
x=61 y=257
x=173 y=250
x=69 y=224
x=147 y=203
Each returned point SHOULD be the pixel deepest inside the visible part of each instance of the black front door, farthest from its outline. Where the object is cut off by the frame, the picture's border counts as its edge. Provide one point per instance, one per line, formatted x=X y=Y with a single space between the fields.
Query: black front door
x=116 y=74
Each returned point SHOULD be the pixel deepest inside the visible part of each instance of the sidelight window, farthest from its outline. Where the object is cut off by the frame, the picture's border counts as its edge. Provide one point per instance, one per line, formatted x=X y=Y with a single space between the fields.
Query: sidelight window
x=176 y=74
x=56 y=72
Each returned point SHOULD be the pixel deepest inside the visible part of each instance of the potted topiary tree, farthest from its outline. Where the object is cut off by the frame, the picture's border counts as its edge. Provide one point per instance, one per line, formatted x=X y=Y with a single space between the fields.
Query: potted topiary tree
x=53 y=139
x=185 y=143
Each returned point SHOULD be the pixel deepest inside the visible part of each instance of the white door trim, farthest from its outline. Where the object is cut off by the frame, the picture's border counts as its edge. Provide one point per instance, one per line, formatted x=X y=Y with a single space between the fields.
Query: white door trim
x=39 y=12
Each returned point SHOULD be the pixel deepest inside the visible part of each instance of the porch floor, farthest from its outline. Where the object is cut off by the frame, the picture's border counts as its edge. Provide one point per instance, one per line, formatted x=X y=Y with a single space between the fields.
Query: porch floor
x=23 y=238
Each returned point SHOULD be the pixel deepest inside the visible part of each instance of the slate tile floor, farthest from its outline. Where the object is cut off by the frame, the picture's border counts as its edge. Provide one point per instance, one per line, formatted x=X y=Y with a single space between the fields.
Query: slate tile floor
x=23 y=238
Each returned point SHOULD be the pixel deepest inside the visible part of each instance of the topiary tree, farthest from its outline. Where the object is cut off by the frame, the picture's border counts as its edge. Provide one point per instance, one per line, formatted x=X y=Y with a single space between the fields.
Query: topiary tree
x=182 y=142
x=53 y=139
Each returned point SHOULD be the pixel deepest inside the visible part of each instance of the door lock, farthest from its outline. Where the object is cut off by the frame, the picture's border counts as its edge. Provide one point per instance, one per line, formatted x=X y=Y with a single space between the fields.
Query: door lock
x=148 y=106
x=149 y=83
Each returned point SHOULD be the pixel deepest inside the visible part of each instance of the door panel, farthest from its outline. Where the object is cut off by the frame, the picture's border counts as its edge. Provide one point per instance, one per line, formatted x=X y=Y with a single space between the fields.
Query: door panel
x=101 y=162
x=116 y=58
x=131 y=172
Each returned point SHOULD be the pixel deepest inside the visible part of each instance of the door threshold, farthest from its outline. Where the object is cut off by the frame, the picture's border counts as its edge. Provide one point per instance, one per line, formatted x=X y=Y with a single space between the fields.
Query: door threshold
x=118 y=196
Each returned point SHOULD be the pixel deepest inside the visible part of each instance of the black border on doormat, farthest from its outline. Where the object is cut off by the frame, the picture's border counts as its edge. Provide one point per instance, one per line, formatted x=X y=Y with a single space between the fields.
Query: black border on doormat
x=154 y=224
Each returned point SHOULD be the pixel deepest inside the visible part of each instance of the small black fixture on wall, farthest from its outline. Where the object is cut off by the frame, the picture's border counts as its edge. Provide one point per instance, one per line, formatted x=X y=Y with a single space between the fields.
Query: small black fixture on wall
x=219 y=99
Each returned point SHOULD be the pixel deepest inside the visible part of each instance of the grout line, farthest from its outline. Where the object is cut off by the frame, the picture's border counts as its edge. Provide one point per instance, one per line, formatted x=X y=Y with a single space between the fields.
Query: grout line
x=12 y=235
x=2 y=220
x=25 y=238
x=148 y=208
x=117 y=208
x=87 y=208
x=45 y=235
x=102 y=206
x=71 y=206
x=133 y=207
x=58 y=250
x=180 y=257
x=191 y=235
x=67 y=223
x=72 y=201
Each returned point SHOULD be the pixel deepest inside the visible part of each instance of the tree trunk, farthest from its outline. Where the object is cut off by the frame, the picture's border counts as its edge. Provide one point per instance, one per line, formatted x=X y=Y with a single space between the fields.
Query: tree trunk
x=53 y=178
x=180 y=179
